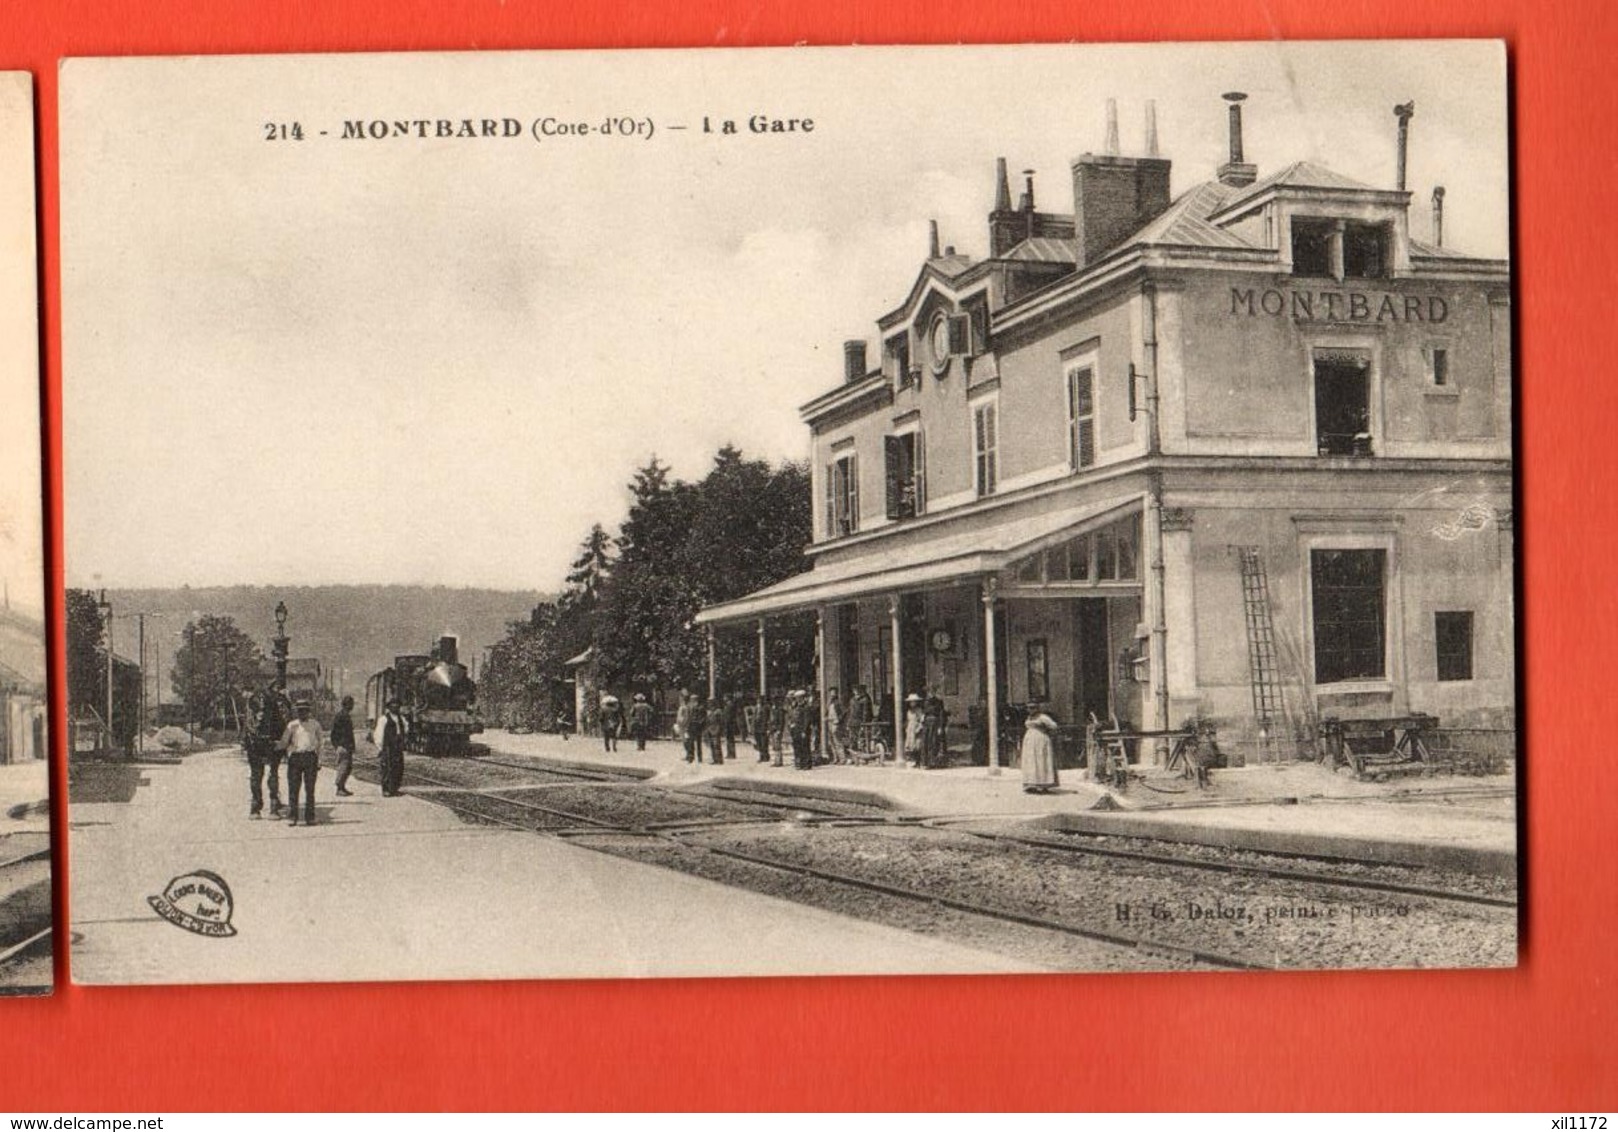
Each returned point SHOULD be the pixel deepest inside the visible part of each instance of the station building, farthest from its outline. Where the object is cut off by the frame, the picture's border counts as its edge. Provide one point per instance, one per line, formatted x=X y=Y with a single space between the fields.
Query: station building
x=1239 y=453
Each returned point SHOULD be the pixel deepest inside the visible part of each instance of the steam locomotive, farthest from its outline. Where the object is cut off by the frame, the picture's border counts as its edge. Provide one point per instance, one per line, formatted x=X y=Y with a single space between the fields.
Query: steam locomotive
x=436 y=697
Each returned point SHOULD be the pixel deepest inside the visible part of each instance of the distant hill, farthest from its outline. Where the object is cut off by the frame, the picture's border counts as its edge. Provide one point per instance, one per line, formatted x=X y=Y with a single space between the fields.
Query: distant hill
x=352 y=630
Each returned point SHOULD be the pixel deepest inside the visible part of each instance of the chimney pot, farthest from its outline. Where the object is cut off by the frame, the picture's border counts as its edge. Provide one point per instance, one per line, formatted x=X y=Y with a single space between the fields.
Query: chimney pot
x=1438 y=216
x=949 y=249
x=1002 y=187
x=854 y=359
x=932 y=239
x=1112 y=126
x=1404 y=113
x=1236 y=171
x=1028 y=190
x=1151 y=127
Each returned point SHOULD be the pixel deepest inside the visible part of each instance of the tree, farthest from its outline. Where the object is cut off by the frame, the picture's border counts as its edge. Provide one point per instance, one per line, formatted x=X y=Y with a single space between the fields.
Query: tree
x=215 y=663
x=87 y=672
x=86 y=655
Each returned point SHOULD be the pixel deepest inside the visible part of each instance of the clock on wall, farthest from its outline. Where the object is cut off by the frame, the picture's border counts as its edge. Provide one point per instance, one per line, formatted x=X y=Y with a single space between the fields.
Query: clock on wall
x=938 y=339
x=943 y=640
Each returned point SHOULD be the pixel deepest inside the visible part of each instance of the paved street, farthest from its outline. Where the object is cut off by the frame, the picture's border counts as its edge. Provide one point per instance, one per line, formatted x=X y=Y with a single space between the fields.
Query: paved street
x=402 y=889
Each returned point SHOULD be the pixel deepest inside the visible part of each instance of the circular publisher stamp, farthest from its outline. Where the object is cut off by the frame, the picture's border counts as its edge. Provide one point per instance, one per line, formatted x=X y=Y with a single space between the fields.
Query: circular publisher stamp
x=197 y=901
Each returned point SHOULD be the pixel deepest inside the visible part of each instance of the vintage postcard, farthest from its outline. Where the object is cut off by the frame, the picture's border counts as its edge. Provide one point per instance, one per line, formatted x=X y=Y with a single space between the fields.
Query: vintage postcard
x=814 y=511
x=25 y=813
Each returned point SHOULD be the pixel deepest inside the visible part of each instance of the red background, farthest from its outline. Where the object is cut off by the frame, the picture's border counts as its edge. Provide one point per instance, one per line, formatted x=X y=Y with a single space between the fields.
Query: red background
x=1541 y=1037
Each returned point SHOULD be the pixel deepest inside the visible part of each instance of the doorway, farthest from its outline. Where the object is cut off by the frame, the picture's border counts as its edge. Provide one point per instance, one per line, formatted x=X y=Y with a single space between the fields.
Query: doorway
x=1092 y=683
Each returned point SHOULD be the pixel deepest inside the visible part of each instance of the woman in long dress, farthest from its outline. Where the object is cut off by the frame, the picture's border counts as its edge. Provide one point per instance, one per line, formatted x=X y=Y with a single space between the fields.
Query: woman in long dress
x=1039 y=754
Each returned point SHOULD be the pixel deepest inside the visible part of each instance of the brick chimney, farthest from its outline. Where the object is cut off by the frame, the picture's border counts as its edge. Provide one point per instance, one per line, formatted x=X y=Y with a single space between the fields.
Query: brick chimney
x=1236 y=172
x=1115 y=196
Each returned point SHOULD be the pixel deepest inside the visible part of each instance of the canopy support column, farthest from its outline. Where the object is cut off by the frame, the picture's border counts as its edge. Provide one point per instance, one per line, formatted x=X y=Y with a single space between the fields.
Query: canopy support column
x=713 y=673
x=820 y=672
x=895 y=638
x=763 y=662
x=991 y=673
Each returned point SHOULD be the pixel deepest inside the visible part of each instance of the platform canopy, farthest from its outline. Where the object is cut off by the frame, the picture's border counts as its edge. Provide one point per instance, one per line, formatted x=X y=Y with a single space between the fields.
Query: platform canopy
x=923 y=556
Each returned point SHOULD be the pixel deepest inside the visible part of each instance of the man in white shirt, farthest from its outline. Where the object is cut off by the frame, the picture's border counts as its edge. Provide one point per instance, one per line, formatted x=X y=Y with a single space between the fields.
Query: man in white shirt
x=301 y=741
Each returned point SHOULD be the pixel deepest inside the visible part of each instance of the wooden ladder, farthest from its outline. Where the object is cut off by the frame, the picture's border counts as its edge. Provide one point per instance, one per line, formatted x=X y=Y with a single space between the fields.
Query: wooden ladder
x=1267 y=705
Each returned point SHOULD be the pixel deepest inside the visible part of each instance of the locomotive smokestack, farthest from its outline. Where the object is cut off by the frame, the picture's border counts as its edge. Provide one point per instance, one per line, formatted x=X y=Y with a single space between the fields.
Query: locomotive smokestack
x=448 y=649
x=1404 y=113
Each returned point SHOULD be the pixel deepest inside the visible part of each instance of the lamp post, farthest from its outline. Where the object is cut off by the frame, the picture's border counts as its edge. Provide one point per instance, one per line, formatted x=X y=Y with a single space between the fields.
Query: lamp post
x=105 y=608
x=282 y=644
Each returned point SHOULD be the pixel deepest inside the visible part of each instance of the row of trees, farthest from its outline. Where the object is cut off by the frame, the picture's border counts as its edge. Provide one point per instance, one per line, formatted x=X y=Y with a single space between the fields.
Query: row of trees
x=214 y=663
x=630 y=596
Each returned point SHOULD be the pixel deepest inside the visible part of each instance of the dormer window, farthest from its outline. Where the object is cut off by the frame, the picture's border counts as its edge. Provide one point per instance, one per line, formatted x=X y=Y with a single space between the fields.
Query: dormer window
x=1339 y=249
x=1312 y=247
x=1365 y=250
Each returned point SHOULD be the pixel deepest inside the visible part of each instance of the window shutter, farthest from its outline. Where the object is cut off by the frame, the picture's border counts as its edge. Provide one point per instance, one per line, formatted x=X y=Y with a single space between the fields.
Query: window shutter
x=854 y=492
x=891 y=480
x=831 y=500
x=921 y=472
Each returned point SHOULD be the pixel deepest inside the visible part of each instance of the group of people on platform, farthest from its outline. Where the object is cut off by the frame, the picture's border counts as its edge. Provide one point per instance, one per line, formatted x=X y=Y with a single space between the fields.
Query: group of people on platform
x=790 y=722
x=276 y=727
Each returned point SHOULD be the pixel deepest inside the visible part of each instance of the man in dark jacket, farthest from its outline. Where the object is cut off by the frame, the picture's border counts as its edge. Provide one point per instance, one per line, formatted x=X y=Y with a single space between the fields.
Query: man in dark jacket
x=696 y=723
x=264 y=752
x=640 y=720
x=391 y=749
x=342 y=737
x=713 y=729
x=799 y=712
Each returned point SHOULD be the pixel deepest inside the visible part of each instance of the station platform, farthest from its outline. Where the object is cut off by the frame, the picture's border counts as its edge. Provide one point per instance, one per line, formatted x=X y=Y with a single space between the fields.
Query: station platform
x=400 y=888
x=1445 y=820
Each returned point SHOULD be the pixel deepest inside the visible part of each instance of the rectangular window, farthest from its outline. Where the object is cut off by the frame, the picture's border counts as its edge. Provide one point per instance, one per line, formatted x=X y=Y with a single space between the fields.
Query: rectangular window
x=898 y=350
x=1454 y=636
x=1078 y=559
x=1081 y=417
x=1312 y=247
x=843 y=497
x=1440 y=363
x=1349 y=618
x=985 y=441
x=1365 y=250
x=905 y=474
x=1106 y=555
x=1039 y=673
x=1128 y=541
x=1343 y=403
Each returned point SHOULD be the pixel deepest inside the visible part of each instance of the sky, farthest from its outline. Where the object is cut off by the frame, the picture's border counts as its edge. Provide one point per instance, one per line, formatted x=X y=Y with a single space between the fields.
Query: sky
x=22 y=570
x=440 y=361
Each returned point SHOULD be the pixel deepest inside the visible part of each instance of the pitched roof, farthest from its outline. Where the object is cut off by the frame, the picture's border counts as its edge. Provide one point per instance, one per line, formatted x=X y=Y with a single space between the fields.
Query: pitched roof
x=950 y=265
x=1185 y=221
x=1300 y=175
x=1044 y=249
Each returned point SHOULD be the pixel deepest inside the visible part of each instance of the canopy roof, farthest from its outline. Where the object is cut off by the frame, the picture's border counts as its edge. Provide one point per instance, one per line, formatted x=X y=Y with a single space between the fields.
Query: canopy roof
x=895 y=563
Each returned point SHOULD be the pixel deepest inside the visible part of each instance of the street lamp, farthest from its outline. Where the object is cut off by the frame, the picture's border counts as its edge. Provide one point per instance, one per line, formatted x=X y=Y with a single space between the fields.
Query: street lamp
x=282 y=644
x=105 y=608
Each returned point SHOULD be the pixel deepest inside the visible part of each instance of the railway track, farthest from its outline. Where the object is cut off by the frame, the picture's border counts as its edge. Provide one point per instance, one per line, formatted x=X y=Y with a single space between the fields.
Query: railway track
x=730 y=836
x=25 y=926
x=1236 y=868
x=820 y=811
x=462 y=803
